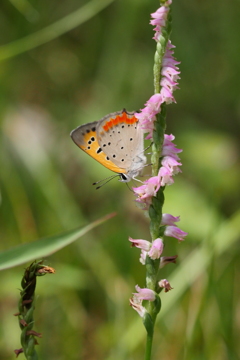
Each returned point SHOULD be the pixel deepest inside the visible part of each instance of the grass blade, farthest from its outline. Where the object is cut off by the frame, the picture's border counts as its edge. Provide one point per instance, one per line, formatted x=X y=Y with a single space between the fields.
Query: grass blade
x=44 y=247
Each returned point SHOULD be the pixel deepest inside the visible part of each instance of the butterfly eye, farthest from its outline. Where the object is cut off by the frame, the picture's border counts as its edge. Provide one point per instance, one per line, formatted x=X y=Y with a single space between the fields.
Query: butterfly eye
x=124 y=178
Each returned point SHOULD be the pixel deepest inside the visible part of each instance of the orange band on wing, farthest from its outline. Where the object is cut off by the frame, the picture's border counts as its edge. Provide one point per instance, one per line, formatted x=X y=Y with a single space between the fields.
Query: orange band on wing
x=92 y=148
x=119 y=119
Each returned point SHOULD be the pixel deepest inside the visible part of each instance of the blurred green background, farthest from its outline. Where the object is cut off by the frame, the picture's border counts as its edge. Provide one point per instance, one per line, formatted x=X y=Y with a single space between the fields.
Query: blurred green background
x=102 y=65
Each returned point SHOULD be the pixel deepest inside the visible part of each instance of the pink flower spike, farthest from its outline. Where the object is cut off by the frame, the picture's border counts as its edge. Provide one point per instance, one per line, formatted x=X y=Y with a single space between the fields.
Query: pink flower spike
x=144 y=294
x=168 y=219
x=141 y=244
x=137 y=305
x=165 y=284
x=156 y=249
x=175 y=232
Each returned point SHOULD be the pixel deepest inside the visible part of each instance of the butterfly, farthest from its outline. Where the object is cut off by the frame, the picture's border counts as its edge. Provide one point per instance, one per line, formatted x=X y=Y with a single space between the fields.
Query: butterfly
x=115 y=141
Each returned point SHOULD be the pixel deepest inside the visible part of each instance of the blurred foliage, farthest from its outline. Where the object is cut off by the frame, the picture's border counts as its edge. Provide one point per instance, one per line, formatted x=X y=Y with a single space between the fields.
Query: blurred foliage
x=101 y=66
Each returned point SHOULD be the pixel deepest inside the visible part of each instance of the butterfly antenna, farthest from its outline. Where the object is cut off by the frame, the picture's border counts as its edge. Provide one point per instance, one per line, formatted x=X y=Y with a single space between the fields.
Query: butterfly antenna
x=148 y=147
x=104 y=181
x=150 y=164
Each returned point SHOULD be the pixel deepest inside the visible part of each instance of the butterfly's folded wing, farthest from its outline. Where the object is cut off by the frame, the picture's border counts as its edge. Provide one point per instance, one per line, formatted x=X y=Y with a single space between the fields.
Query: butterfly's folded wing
x=85 y=137
x=121 y=138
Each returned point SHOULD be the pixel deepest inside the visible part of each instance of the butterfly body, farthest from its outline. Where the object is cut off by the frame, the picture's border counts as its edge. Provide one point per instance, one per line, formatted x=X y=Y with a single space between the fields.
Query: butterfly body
x=116 y=141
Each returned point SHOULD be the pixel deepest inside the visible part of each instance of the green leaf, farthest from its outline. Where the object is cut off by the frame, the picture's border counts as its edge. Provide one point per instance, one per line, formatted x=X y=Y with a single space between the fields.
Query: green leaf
x=44 y=247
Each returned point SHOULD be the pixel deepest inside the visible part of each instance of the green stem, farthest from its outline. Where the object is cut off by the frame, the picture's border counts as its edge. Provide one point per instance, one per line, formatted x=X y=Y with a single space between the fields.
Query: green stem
x=148 y=350
x=158 y=137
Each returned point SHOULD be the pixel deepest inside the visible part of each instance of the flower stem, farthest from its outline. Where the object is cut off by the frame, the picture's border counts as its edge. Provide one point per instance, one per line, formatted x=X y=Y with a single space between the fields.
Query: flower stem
x=148 y=350
x=158 y=137
x=155 y=209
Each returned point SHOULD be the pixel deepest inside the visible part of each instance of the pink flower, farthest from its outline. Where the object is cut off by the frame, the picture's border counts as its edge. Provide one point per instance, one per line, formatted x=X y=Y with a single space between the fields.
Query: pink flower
x=156 y=250
x=167 y=95
x=151 y=186
x=159 y=19
x=147 y=116
x=147 y=191
x=144 y=294
x=166 y=176
x=168 y=83
x=168 y=219
x=153 y=250
x=141 y=244
x=137 y=305
x=171 y=164
x=175 y=232
x=170 y=75
x=154 y=103
x=169 y=148
x=170 y=167
x=164 y=283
